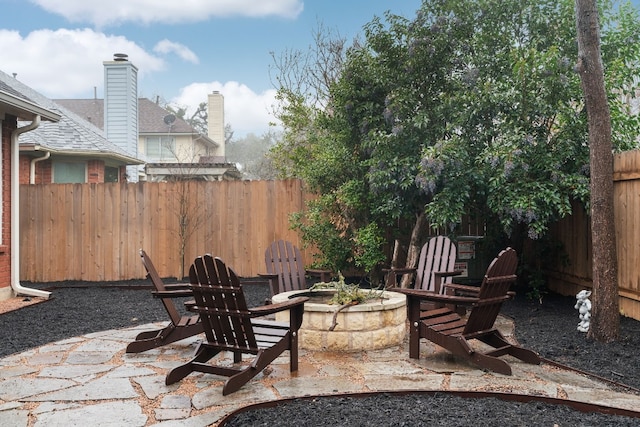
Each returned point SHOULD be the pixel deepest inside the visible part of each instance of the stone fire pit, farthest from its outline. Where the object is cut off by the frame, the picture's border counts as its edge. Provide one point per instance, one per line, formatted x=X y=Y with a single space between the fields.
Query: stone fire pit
x=376 y=324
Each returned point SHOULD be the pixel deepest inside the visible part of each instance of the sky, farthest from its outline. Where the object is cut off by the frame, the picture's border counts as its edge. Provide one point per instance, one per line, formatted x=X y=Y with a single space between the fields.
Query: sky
x=183 y=49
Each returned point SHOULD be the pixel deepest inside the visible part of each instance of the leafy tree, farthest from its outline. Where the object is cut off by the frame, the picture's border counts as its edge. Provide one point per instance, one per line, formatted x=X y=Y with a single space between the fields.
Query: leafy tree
x=470 y=106
x=523 y=129
x=198 y=119
x=251 y=153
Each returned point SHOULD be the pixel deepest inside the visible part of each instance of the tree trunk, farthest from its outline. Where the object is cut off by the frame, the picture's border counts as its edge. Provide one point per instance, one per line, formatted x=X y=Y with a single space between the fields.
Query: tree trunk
x=605 y=320
x=413 y=251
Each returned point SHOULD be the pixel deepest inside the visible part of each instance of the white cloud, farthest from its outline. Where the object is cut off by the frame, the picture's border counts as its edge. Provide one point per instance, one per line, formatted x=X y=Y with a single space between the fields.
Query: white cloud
x=103 y=13
x=165 y=46
x=246 y=111
x=68 y=63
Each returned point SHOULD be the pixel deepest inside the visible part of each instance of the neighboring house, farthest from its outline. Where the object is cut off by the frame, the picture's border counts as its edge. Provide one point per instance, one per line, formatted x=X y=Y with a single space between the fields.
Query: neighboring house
x=71 y=150
x=14 y=106
x=172 y=148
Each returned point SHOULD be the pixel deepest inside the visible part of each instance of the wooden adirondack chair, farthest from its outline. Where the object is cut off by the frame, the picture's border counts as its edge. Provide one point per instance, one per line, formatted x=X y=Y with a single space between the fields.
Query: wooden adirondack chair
x=230 y=326
x=435 y=267
x=447 y=329
x=179 y=327
x=285 y=268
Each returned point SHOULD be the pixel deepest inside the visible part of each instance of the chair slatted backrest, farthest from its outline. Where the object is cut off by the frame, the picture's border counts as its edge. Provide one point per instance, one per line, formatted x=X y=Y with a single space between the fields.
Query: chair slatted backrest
x=285 y=260
x=221 y=304
x=152 y=274
x=500 y=275
x=438 y=254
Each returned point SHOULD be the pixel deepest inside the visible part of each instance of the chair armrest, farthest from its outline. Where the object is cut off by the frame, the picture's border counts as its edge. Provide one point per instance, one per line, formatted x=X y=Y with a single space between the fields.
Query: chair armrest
x=399 y=270
x=172 y=294
x=177 y=287
x=439 y=275
x=419 y=294
x=263 y=310
x=464 y=288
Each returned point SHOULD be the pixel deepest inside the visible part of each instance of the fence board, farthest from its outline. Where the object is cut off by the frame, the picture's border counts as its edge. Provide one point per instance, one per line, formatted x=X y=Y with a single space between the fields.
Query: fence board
x=92 y=232
x=574 y=233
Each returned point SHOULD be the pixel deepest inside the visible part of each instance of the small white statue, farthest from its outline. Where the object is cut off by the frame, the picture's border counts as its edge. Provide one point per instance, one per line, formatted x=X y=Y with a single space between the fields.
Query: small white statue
x=583 y=305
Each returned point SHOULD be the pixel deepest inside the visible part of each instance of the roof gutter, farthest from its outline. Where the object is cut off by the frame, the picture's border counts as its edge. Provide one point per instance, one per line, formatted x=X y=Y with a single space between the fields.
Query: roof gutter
x=15 y=213
x=32 y=166
x=127 y=160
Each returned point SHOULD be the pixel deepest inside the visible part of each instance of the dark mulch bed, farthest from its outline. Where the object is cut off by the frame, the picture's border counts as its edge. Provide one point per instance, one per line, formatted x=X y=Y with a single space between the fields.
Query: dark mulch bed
x=421 y=410
x=548 y=328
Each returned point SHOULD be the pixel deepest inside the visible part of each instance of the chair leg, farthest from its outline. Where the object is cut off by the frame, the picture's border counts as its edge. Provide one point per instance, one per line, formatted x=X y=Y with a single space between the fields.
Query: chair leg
x=414 y=340
x=497 y=340
x=293 y=351
x=262 y=360
x=162 y=337
x=524 y=354
x=234 y=383
x=203 y=354
x=149 y=334
x=491 y=363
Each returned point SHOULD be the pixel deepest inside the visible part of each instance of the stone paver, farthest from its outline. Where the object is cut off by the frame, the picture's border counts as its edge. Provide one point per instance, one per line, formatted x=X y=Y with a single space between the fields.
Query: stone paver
x=18 y=417
x=101 y=414
x=404 y=382
x=66 y=371
x=89 y=380
x=18 y=388
x=98 y=389
x=153 y=386
x=174 y=407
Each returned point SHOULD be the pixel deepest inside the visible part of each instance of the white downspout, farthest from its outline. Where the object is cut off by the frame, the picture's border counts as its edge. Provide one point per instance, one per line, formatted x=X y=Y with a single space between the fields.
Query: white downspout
x=15 y=214
x=32 y=166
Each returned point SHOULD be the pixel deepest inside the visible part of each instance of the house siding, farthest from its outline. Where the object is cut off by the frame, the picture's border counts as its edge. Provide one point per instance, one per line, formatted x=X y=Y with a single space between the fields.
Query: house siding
x=9 y=124
x=121 y=108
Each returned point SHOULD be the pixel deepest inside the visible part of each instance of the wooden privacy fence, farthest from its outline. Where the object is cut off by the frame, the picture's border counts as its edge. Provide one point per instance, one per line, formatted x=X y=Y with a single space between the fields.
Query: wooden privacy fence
x=575 y=234
x=92 y=232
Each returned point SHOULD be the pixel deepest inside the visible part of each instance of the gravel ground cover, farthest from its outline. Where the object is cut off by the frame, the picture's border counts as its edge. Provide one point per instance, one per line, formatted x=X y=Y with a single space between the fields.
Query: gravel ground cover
x=549 y=328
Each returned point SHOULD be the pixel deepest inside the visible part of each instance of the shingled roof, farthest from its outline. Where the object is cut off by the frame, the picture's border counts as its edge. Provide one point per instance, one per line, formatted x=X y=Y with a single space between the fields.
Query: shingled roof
x=72 y=135
x=17 y=104
x=150 y=116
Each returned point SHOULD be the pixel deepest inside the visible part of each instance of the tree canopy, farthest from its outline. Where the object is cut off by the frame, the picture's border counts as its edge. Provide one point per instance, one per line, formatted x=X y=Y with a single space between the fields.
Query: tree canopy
x=467 y=107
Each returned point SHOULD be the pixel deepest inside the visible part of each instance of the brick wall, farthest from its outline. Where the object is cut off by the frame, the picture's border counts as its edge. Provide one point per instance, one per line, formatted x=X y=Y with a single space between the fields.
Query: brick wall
x=24 y=162
x=95 y=171
x=43 y=171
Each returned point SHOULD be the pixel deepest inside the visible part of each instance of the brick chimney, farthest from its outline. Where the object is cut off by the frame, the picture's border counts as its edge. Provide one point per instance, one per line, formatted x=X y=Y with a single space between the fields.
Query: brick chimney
x=121 y=107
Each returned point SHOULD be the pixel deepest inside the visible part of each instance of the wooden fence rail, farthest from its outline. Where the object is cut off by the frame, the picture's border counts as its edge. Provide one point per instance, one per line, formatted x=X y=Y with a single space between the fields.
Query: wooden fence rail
x=92 y=232
x=575 y=234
